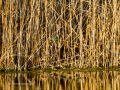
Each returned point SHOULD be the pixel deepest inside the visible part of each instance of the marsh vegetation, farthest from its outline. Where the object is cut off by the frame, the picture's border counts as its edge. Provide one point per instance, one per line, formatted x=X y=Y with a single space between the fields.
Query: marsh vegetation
x=87 y=33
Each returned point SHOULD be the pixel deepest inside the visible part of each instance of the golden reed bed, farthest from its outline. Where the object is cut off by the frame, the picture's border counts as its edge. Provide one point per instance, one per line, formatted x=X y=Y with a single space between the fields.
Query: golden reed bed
x=87 y=33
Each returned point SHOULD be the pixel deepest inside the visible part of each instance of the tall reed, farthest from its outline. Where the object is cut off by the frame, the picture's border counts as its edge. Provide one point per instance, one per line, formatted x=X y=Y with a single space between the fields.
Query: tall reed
x=87 y=33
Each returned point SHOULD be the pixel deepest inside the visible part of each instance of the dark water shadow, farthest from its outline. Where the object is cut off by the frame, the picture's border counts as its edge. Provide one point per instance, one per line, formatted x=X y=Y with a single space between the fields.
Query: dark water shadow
x=61 y=80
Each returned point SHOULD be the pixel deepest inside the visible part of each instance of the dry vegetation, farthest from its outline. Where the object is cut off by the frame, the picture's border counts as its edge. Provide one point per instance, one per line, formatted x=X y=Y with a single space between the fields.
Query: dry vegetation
x=87 y=32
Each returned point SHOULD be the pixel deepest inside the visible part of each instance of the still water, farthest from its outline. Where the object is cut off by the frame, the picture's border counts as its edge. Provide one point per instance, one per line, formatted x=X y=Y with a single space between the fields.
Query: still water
x=61 y=80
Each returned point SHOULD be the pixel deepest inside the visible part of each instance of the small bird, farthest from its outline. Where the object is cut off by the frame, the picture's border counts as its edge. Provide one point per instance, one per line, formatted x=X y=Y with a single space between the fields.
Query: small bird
x=53 y=38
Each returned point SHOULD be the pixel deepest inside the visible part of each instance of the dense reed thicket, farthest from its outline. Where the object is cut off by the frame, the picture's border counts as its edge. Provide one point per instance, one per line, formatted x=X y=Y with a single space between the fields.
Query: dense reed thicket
x=87 y=33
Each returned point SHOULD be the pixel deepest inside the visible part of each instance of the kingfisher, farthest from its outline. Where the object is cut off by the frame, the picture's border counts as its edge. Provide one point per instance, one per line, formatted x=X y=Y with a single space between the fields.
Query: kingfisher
x=53 y=38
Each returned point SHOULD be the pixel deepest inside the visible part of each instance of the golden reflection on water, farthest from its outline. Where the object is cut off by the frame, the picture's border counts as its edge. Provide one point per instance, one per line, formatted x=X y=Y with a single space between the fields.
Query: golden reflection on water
x=106 y=80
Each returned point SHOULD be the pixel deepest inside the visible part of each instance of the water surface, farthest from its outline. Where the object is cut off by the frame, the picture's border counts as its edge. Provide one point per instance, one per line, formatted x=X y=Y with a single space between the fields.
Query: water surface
x=61 y=80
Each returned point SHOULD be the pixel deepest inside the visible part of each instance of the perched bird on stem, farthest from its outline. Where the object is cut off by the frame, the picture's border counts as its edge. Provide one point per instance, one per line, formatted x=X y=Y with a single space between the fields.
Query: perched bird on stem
x=53 y=38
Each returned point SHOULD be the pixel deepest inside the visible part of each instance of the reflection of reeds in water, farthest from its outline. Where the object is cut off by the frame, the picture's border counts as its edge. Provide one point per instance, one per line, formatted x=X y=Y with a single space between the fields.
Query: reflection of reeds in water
x=88 y=33
x=106 y=80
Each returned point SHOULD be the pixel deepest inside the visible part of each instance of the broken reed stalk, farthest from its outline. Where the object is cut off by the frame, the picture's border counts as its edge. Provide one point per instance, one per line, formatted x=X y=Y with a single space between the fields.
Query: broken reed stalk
x=87 y=32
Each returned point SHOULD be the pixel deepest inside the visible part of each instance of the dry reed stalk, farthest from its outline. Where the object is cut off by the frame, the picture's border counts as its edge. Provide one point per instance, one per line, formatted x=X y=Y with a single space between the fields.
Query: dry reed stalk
x=119 y=36
x=11 y=33
x=81 y=36
x=87 y=33
x=93 y=34
x=70 y=18
x=0 y=32
x=0 y=6
x=89 y=30
x=115 y=30
x=103 y=29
